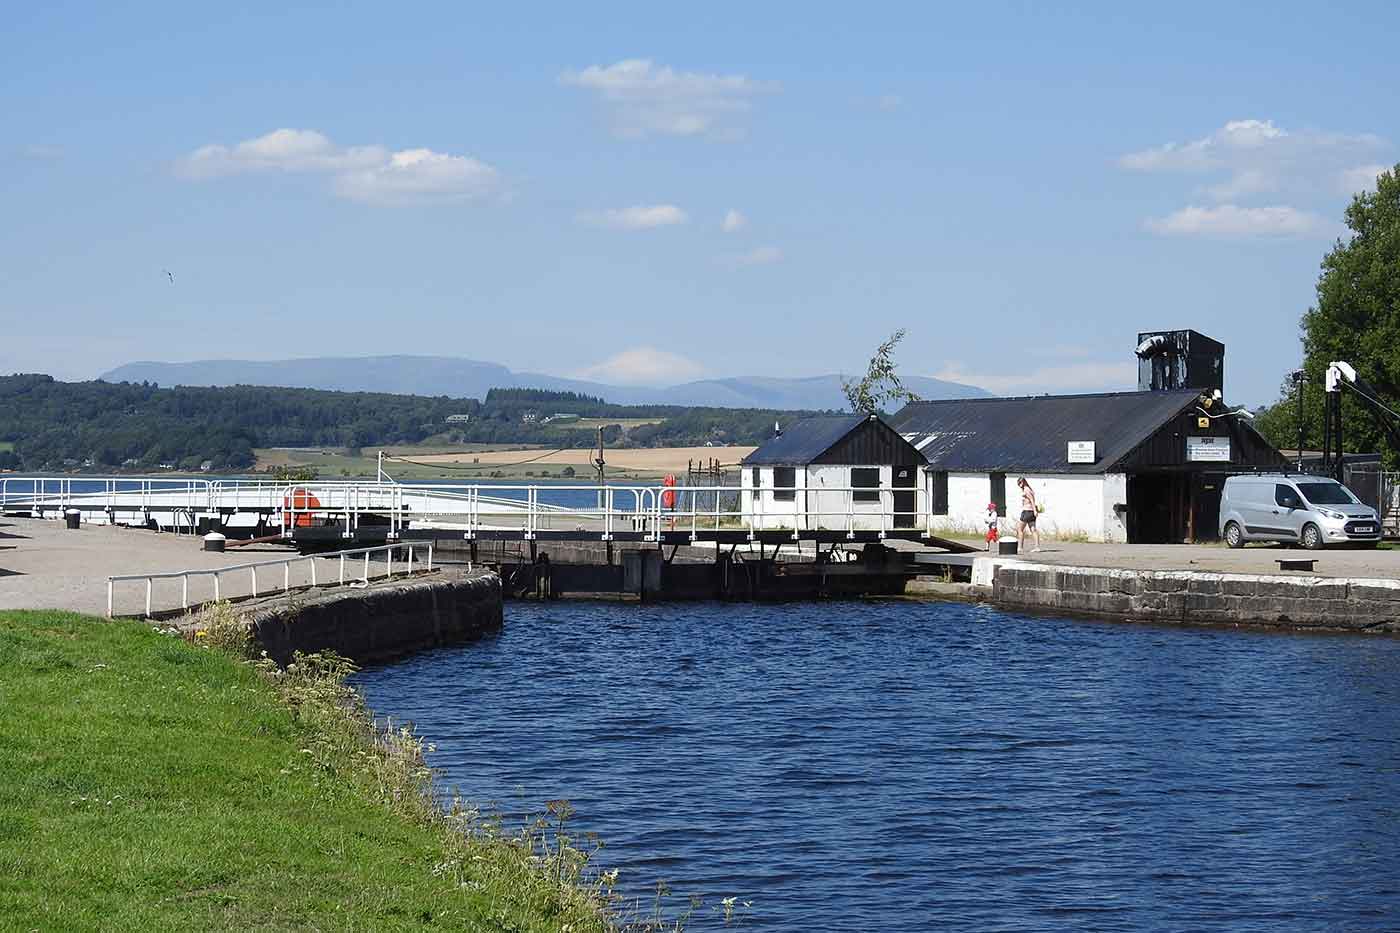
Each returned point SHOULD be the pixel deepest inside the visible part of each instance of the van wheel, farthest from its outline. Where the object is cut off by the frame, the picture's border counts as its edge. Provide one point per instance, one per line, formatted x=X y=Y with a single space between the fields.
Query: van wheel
x=1233 y=536
x=1312 y=537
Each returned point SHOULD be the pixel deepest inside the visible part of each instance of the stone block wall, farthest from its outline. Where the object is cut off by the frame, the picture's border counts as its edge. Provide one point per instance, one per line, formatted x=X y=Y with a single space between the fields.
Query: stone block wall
x=1203 y=598
x=383 y=621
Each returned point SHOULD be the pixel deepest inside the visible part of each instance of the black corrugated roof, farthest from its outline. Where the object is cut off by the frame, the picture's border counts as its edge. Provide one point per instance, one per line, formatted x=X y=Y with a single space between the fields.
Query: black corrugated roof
x=804 y=441
x=1032 y=434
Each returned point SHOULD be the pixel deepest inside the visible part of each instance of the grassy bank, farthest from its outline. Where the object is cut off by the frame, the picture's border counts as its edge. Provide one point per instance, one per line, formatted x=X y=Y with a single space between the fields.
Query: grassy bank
x=150 y=784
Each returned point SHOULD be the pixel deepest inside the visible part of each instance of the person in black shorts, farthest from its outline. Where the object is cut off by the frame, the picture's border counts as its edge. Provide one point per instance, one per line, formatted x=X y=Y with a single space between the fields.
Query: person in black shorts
x=1028 y=514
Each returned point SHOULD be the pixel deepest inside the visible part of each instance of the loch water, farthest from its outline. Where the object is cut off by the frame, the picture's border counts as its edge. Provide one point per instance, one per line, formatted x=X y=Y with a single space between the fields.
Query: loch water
x=903 y=766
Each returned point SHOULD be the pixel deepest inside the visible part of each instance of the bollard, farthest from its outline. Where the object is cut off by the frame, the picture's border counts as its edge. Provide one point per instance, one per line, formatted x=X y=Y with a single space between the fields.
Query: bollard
x=72 y=518
x=214 y=541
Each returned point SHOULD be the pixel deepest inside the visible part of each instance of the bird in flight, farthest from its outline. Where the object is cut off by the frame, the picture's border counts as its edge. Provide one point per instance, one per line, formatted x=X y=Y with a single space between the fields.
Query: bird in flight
x=171 y=274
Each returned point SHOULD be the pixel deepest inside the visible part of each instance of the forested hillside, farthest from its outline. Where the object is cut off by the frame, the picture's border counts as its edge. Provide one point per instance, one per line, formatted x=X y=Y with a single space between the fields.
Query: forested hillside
x=101 y=426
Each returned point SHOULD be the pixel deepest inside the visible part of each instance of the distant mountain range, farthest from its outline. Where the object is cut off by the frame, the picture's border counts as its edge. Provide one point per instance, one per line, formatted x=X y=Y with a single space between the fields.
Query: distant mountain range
x=460 y=378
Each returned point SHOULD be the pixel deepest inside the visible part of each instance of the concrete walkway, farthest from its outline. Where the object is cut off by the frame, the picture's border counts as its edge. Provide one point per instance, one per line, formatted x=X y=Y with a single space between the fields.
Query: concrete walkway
x=1254 y=558
x=44 y=565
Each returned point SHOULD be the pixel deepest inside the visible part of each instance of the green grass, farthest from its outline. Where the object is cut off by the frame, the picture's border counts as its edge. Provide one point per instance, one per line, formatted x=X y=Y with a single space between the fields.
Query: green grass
x=7 y=446
x=149 y=784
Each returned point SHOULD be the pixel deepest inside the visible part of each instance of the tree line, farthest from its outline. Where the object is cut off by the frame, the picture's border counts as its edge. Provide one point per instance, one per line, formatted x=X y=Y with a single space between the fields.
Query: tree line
x=101 y=426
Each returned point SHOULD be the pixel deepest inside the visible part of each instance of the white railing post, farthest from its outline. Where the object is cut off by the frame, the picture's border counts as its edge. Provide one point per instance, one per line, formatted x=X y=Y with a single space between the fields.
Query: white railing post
x=254 y=569
x=342 y=570
x=366 y=567
x=430 y=557
x=287 y=577
x=110 y=584
x=216 y=586
x=313 y=572
x=185 y=591
x=148 y=597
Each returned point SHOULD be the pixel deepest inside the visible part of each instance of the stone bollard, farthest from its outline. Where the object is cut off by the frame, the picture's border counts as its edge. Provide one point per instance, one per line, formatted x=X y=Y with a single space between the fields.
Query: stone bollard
x=214 y=541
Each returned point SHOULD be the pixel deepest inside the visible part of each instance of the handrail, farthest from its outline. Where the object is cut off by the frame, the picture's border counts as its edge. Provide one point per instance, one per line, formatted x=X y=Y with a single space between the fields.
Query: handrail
x=477 y=508
x=285 y=563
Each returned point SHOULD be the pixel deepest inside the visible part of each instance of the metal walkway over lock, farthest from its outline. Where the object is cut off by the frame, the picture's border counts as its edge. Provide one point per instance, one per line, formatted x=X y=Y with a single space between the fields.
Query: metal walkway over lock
x=324 y=514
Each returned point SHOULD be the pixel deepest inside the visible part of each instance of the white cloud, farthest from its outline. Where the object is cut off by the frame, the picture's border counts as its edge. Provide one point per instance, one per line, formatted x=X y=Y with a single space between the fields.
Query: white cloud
x=733 y=221
x=372 y=174
x=1071 y=377
x=639 y=217
x=1231 y=220
x=1361 y=178
x=759 y=256
x=644 y=98
x=1256 y=157
x=644 y=366
x=418 y=174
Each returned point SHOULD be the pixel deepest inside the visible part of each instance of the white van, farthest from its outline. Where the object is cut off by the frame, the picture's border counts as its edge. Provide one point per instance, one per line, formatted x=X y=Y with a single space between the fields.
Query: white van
x=1313 y=511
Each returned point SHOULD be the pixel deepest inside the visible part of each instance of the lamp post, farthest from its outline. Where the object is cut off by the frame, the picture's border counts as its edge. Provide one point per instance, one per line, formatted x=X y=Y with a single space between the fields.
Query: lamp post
x=1298 y=379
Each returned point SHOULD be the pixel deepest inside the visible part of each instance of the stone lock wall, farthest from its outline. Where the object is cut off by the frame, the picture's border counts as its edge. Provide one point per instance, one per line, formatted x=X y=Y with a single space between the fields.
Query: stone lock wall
x=384 y=621
x=1203 y=598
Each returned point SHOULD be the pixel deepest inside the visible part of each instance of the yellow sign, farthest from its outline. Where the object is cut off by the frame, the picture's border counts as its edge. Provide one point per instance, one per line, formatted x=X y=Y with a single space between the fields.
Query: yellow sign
x=1203 y=423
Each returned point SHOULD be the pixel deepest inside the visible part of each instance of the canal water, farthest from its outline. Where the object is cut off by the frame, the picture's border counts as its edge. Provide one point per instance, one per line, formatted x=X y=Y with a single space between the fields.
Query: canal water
x=903 y=766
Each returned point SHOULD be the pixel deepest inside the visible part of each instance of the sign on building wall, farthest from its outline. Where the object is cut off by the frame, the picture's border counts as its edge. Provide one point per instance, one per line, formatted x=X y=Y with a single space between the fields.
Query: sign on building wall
x=1082 y=452
x=1208 y=449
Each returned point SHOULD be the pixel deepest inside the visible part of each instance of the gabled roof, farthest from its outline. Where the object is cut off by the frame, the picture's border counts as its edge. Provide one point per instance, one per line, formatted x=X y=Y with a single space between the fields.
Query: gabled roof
x=1032 y=434
x=804 y=441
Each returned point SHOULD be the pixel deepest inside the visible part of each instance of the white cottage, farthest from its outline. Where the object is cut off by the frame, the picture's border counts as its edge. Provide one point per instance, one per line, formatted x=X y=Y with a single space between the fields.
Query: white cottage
x=835 y=473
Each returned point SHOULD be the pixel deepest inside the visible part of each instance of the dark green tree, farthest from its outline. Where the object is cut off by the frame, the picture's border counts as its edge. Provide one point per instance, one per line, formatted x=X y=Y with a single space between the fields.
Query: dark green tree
x=1356 y=318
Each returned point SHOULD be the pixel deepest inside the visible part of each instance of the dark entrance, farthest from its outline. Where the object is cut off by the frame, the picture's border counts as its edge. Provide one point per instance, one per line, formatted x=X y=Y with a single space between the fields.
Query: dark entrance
x=1173 y=508
x=905 y=499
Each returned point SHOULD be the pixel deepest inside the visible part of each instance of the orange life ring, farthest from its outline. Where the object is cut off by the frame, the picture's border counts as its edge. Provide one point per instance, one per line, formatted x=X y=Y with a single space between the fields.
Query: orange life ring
x=300 y=500
x=668 y=496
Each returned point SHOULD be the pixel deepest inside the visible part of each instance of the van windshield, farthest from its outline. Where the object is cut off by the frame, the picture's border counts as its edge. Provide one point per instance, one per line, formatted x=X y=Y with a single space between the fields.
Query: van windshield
x=1326 y=494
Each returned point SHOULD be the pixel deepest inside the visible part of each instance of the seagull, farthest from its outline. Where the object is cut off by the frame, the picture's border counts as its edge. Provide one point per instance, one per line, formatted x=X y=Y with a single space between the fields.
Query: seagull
x=171 y=274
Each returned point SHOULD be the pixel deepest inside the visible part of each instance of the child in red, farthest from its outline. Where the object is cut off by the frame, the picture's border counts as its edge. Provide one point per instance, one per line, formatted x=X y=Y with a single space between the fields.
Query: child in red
x=992 y=522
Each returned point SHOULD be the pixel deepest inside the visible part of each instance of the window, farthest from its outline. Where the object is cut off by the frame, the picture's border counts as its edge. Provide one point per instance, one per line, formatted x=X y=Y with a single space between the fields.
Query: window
x=1332 y=493
x=866 y=483
x=757 y=478
x=784 y=484
x=999 y=491
x=939 y=492
x=1285 y=496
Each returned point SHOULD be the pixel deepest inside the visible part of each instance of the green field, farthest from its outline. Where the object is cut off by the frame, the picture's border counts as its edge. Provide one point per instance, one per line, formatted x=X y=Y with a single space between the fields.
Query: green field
x=151 y=784
x=331 y=463
x=7 y=445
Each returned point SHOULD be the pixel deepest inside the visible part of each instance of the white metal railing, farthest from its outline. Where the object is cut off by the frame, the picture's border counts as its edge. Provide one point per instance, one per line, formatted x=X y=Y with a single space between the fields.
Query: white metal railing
x=423 y=548
x=651 y=510
x=476 y=508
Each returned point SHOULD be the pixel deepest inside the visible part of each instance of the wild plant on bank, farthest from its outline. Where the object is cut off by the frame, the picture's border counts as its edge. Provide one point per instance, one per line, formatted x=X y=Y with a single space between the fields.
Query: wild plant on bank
x=541 y=866
x=221 y=627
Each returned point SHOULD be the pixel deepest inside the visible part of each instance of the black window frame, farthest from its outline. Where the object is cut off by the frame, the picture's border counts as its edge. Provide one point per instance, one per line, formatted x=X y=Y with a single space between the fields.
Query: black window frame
x=857 y=487
x=784 y=491
x=998 y=484
x=757 y=478
x=939 y=493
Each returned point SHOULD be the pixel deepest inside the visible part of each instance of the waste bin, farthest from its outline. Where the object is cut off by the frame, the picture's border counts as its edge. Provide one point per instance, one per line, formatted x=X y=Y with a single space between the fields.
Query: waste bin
x=72 y=518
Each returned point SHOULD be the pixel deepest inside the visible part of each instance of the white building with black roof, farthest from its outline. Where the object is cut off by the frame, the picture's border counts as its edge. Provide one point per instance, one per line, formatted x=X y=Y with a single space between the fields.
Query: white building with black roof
x=834 y=472
x=1144 y=466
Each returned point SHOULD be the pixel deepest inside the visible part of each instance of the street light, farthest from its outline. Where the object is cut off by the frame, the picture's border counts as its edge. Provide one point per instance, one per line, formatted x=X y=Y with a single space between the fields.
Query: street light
x=1298 y=380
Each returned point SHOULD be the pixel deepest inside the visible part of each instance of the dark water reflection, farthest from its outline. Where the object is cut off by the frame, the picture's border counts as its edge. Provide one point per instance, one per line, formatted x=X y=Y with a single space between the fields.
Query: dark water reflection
x=902 y=766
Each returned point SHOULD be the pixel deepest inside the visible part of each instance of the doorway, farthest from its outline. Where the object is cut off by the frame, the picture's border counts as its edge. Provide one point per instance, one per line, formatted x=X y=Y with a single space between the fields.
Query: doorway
x=906 y=505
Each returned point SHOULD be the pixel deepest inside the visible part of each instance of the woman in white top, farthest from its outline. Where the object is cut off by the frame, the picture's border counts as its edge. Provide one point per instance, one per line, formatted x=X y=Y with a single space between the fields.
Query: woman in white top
x=1028 y=513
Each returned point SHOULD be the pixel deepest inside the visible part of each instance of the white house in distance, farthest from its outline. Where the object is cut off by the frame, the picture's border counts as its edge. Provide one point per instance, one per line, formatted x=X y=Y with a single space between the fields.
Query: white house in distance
x=835 y=473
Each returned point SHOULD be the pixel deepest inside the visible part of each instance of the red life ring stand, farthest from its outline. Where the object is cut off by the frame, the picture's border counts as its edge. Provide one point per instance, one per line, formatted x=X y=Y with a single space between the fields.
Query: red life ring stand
x=300 y=500
x=668 y=495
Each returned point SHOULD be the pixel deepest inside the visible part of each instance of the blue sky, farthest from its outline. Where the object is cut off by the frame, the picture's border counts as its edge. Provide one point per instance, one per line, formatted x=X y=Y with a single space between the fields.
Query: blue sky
x=651 y=193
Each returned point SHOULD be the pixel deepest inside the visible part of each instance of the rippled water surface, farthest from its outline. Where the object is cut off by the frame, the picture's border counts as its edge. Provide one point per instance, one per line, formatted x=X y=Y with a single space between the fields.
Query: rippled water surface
x=908 y=766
